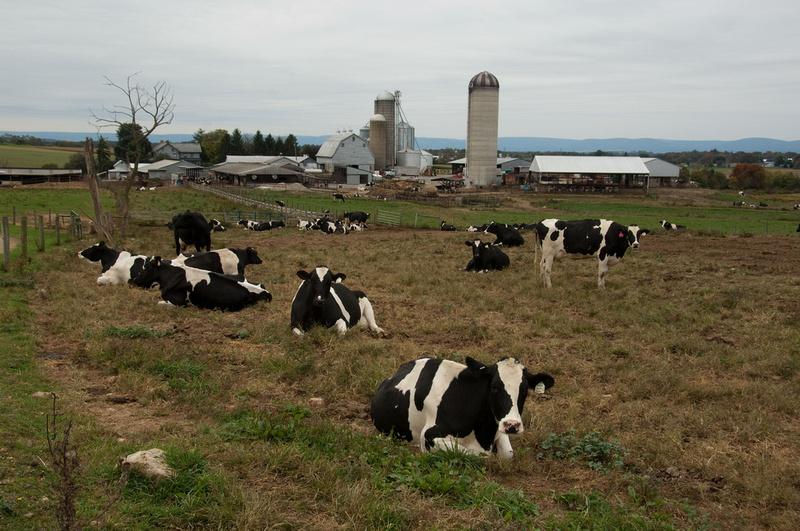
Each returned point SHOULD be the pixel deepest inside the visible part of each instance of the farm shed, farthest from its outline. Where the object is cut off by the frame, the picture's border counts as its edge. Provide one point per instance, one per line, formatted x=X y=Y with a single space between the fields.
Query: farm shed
x=38 y=175
x=303 y=162
x=588 y=174
x=505 y=165
x=345 y=150
x=662 y=173
x=252 y=173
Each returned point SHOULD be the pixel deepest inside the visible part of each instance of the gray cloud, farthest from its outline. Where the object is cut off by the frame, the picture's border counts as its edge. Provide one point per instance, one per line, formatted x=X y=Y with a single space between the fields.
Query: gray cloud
x=581 y=68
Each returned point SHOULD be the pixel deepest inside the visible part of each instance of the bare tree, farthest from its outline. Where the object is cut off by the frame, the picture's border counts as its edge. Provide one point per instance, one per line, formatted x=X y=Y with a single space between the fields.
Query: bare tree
x=101 y=223
x=146 y=109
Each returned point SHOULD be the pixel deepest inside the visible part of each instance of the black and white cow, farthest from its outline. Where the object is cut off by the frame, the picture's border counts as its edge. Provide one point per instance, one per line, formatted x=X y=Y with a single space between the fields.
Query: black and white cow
x=447 y=227
x=796 y=206
x=223 y=261
x=118 y=267
x=191 y=228
x=666 y=225
x=339 y=197
x=216 y=225
x=507 y=235
x=280 y=203
x=478 y=228
x=486 y=257
x=605 y=239
x=180 y=284
x=306 y=225
x=323 y=300
x=331 y=227
x=354 y=226
x=442 y=404
x=276 y=224
x=357 y=216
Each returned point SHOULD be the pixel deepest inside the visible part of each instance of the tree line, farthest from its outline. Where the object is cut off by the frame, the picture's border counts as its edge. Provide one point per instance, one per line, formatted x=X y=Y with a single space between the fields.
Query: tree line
x=219 y=143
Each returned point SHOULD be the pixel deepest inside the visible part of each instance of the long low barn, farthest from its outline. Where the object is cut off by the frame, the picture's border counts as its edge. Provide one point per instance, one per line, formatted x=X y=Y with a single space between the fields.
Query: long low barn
x=588 y=174
x=244 y=173
x=39 y=175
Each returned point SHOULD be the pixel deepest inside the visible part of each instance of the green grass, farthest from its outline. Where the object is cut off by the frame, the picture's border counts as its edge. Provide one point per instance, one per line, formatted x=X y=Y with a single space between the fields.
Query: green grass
x=591 y=449
x=23 y=156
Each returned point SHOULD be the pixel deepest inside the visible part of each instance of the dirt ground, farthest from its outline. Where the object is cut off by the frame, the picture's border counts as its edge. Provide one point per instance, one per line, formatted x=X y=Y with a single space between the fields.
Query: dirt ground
x=690 y=358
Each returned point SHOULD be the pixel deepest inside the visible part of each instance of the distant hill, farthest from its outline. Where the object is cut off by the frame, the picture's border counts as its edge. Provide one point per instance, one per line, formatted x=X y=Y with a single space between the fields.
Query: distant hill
x=521 y=143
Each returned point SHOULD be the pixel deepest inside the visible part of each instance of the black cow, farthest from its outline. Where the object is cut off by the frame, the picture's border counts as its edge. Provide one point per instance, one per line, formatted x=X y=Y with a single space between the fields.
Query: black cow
x=215 y=225
x=666 y=225
x=507 y=235
x=321 y=299
x=276 y=224
x=357 y=216
x=118 y=267
x=486 y=257
x=446 y=227
x=442 y=404
x=180 y=284
x=338 y=196
x=608 y=240
x=223 y=261
x=191 y=228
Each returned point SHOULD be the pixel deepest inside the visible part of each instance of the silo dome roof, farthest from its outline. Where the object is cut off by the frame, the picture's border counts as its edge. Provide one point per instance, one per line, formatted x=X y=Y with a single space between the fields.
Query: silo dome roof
x=377 y=118
x=484 y=79
x=385 y=96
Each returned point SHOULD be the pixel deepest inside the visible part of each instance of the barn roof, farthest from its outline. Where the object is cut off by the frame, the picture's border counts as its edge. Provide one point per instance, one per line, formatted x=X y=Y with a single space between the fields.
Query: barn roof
x=331 y=144
x=577 y=164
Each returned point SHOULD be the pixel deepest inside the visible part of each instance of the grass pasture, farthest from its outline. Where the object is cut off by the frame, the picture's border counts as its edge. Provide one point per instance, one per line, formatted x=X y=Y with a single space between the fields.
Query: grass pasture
x=24 y=156
x=674 y=405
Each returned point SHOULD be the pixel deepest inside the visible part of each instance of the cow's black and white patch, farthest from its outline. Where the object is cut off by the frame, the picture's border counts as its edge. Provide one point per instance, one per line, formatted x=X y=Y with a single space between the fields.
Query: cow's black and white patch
x=224 y=261
x=442 y=404
x=216 y=225
x=118 y=267
x=605 y=239
x=323 y=300
x=486 y=257
x=447 y=227
x=666 y=225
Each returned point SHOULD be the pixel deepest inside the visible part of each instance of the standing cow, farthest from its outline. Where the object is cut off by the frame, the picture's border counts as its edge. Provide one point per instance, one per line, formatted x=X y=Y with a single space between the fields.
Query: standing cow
x=191 y=228
x=323 y=300
x=442 y=404
x=486 y=257
x=607 y=240
x=357 y=216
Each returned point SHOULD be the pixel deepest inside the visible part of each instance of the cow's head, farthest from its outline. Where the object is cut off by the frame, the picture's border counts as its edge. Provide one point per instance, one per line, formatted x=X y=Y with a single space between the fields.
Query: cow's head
x=509 y=382
x=95 y=252
x=251 y=256
x=478 y=247
x=320 y=281
x=149 y=276
x=634 y=234
x=243 y=223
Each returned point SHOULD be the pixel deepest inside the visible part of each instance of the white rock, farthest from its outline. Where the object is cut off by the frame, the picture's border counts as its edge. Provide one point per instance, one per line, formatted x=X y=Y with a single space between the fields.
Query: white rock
x=149 y=463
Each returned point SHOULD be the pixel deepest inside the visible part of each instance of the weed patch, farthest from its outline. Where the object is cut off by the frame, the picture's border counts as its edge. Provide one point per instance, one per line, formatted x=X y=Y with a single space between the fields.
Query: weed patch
x=135 y=332
x=591 y=449
x=593 y=511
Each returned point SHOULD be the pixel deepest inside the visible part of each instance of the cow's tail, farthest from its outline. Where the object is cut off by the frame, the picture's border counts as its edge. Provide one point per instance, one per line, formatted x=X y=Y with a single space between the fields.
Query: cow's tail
x=537 y=252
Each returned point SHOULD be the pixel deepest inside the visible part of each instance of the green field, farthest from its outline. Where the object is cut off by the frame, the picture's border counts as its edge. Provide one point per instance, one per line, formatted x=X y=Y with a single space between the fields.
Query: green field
x=674 y=405
x=22 y=156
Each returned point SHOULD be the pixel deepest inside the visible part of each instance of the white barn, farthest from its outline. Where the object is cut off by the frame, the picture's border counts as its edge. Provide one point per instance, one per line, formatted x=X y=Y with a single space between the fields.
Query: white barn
x=347 y=156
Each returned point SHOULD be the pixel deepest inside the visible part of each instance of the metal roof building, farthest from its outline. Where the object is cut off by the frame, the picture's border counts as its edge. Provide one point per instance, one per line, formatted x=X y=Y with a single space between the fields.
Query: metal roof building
x=662 y=173
x=576 y=173
x=343 y=152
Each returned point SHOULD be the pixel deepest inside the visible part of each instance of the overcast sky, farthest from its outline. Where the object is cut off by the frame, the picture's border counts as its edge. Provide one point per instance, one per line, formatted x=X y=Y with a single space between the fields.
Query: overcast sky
x=698 y=69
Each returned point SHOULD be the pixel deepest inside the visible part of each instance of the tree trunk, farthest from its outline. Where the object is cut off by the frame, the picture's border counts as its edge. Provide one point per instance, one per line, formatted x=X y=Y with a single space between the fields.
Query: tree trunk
x=99 y=219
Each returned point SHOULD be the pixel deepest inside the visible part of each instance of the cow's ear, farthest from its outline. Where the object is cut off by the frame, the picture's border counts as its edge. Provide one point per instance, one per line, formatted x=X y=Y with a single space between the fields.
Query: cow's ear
x=468 y=243
x=475 y=366
x=305 y=275
x=157 y=260
x=101 y=243
x=338 y=277
x=540 y=377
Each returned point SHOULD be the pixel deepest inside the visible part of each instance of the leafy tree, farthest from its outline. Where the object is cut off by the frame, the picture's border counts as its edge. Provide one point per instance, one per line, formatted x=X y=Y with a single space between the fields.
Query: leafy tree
x=747 y=175
x=269 y=144
x=103 y=153
x=76 y=162
x=236 y=143
x=259 y=147
x=132 y=144
x=224 y=147
x=215 y=144
x=290 y=145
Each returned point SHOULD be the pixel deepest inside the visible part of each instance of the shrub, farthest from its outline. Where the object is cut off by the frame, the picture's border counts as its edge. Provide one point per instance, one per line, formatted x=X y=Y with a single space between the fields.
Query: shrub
x=591 y=449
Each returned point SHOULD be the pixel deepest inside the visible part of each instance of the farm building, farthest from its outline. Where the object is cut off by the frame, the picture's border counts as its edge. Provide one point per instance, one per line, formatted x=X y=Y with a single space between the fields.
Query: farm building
x=164 y=170
x=305 y=162
x=588 y=174
x=252 y=173
x=505 y=165
x=186 y=151
x=347 y=157
x=38 y=175
x=662 y=173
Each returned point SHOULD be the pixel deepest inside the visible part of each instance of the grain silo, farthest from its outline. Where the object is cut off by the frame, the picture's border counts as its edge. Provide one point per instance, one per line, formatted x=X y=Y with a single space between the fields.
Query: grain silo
x=377 y=140
x=386 y=106
x=484 y=96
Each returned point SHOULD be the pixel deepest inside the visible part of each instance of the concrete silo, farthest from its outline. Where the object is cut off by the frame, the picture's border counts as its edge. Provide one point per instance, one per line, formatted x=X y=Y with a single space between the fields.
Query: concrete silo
x=377 y=140
x=386 y=106
x=484 y=97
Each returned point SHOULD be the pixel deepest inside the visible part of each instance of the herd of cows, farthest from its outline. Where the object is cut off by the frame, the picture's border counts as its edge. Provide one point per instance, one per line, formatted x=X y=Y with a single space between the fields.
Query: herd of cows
x=432 y=402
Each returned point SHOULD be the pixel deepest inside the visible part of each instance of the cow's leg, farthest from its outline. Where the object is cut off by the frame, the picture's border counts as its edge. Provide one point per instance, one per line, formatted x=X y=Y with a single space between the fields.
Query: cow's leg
x=176 y=297
x=341 y=327
x=297 y=331
x=503 y=446
x=545 y=267
x=368 y=316
x=602 y=269
x=104 y=280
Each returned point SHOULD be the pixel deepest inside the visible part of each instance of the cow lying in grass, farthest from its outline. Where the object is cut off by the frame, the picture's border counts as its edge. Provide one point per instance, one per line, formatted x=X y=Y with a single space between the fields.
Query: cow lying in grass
x=486 y=257
x=118 y=267
x=442 y=404
x=323 y=300
x=224 y=261
x=180 y=284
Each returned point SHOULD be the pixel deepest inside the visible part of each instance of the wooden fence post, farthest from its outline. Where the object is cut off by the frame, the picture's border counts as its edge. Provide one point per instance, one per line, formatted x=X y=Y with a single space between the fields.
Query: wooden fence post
x=23 y=236
x=13 y=215
x=6 y=244
x=58 y=229
x=41 y=234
